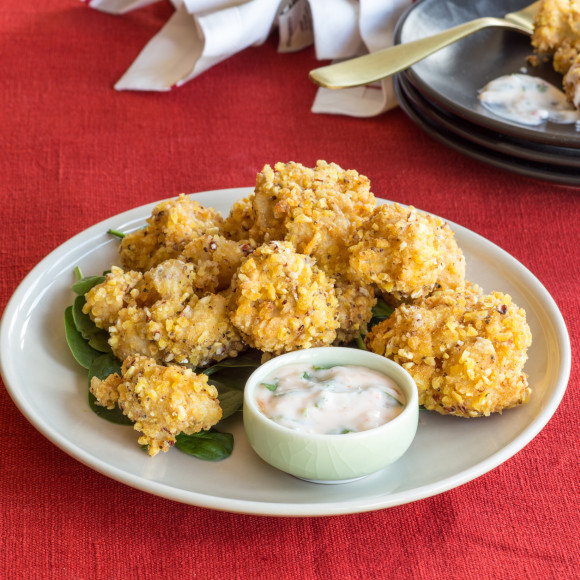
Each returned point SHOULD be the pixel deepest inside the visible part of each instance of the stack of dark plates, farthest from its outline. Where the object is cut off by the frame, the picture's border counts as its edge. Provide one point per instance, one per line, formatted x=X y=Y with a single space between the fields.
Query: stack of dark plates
x=440 y=93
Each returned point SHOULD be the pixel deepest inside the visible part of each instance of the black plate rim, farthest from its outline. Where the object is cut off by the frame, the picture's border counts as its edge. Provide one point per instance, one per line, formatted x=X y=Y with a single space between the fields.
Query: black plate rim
x=496 y=124
x=543 y=172
x=535 y=152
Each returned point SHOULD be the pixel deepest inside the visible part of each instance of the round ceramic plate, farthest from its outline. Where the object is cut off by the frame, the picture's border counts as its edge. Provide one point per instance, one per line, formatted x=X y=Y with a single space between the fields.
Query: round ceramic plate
x=536 y=152
x=453 y=76
x=50 y=389
x=428 y=121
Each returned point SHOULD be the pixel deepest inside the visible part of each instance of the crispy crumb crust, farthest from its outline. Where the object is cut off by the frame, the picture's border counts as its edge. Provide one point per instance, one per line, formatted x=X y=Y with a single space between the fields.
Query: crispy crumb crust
x=172 y=225
x=163 y=401
x=317 y=209
x=298 y=264
x=465 y=352
x=407 y=253
x=557 y=33
x=282 y=302
x=162 y=317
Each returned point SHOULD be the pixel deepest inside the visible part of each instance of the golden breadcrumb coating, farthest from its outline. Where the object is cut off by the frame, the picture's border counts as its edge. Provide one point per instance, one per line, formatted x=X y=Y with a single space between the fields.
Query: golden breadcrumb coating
x=452 y=274
x=172 y=225
x=355 y=308
x=318 y=210
x=557 y=33
x=105 y=300
x=218 y=257
x=162 y=401
x=237 y=225
x=298 y=264
x=465 y=352
x=163 y=317
x=282 y=302
x=406 y=253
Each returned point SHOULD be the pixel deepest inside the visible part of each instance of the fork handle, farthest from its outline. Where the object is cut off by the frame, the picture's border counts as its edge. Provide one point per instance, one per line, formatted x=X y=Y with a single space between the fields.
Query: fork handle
x=384 y=63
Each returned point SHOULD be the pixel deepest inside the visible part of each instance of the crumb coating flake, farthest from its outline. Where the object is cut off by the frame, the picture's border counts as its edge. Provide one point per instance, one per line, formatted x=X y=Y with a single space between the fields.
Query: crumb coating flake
x=557 y=33
x=406 y=253
x=237 y=225
x=217 y=257
x=162 y=317
x=172 y=225
x=163 y=401
x=466 y=353
x=282 y=302
x=355 y=308
x=317 y=209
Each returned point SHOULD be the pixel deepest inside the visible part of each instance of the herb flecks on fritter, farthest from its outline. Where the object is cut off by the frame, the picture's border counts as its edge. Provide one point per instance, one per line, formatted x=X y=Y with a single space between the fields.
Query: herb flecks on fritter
x=465 y=352
x=218 y=257
x=317 y=209
x=355 y=308
x=407 y=254
x=299 y=263
x=163 y=317
x=282 y=301
x=173 y=224
x=163 y=401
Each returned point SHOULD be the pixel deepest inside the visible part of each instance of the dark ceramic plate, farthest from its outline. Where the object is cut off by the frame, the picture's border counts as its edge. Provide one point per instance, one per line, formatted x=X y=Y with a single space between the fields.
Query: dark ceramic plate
x=544 y=171
x=536 y=152
x=453 y=76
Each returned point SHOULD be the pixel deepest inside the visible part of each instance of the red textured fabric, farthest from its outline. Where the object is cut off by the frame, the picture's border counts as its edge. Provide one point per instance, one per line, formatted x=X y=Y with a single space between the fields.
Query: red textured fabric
x=74 y=152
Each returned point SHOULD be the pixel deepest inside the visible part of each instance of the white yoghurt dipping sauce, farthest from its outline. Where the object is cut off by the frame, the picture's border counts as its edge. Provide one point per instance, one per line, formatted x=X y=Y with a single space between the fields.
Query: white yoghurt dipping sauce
x=335 y=400
x=527 y=100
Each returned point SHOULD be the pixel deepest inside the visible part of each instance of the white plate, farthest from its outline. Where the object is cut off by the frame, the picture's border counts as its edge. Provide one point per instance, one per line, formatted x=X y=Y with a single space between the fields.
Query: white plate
x=51 y=391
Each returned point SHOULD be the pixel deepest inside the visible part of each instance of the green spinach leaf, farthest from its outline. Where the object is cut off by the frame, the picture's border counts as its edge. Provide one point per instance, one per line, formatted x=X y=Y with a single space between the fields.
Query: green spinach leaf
x=79 y=347
x=82 y=286
x=101 y=367
x=96 y=337
x=209 y=445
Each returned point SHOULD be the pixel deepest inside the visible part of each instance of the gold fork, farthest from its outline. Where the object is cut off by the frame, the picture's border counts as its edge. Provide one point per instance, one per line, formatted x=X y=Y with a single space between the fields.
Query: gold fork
x=384 y=63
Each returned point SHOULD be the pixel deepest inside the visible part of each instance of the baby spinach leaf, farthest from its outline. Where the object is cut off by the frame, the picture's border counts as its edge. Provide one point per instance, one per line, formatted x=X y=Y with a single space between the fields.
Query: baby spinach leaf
x=101 y=367
x=207 y=445
x=381 y=310
x=230 y=402
x=232 y=373
x=79 y=347
x=105 y=365
x=83 y=285
x=360 y=343
x=97 y=337
x=250 y=358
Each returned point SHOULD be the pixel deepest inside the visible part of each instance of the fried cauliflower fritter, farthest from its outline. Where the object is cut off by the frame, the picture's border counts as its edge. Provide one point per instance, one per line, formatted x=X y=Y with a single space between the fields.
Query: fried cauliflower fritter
x=465 y=352
x=237 y=225
x=318 y=210
x=355 y=308
x=298 y=264
x=163 y=318
x=216 y=260
x=105 y=300
x=281 y=301
x=406 y=253
x=162 y=401
x=173 y=224
x=557 y=33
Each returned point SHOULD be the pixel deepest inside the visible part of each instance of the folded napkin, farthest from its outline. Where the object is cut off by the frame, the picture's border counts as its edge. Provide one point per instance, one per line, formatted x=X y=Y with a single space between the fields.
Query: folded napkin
x=202 y=33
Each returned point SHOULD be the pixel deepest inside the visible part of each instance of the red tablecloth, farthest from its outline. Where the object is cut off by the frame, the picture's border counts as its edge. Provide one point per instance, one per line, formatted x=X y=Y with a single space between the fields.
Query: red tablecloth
x=74 y=152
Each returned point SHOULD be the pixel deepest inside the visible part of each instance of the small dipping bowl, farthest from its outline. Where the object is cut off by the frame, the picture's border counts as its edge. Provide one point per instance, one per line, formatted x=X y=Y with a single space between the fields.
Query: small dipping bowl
x=324 y=458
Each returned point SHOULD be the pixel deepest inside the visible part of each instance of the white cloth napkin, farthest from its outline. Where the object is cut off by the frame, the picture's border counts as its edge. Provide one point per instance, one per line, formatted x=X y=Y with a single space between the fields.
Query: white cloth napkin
x=202 y=33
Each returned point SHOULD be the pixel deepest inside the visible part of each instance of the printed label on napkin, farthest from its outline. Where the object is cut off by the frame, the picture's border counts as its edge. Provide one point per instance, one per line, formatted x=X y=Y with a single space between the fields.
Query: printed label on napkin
x=295 y=26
